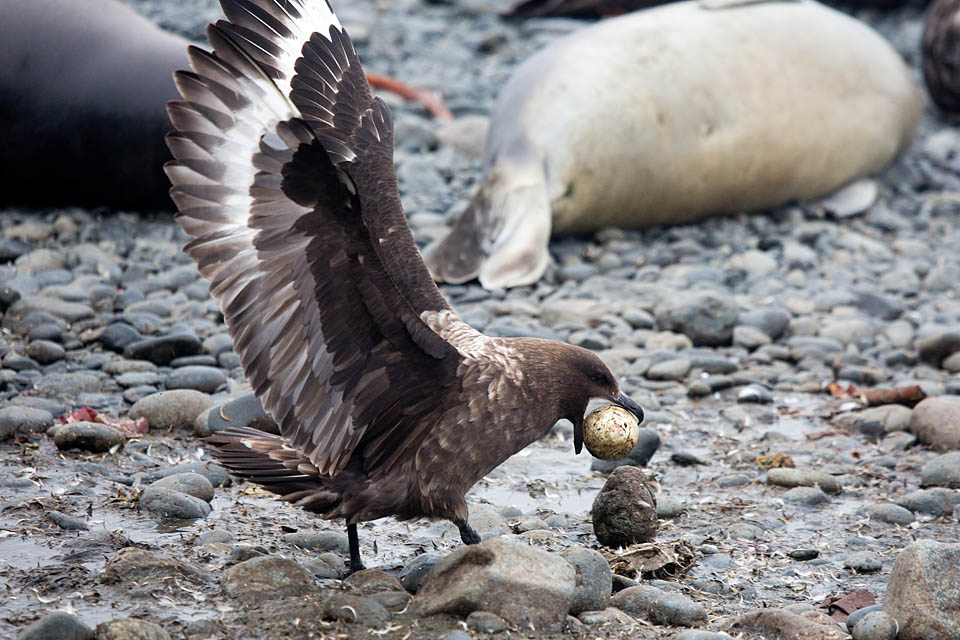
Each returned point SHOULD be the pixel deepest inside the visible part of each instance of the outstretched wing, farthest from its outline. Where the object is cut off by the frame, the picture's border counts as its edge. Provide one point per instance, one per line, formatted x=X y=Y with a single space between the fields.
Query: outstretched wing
x=283 y=173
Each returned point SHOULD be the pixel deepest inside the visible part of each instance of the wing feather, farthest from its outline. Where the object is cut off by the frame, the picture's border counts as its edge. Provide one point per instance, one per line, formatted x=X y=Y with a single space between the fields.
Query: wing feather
x=283 y=174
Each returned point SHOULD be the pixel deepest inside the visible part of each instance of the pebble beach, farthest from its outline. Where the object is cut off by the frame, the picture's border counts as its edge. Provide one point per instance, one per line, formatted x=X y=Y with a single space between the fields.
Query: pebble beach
x=755 y=343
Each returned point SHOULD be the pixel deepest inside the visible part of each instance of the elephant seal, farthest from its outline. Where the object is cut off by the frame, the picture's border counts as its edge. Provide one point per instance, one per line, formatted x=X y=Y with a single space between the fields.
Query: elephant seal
x=671 y=114
x=83 y=94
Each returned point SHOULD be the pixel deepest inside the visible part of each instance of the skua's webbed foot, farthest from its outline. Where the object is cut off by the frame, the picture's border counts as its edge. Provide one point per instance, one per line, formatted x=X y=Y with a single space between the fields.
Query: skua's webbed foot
x=467 y=534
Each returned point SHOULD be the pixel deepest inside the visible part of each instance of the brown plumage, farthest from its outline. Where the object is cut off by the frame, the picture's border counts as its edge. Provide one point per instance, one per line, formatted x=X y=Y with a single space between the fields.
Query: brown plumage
x=388 y=404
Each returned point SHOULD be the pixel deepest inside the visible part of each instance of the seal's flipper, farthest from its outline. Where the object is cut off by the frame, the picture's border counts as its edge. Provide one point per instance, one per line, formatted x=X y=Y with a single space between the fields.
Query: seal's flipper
x=456 y=257
x=501 y=237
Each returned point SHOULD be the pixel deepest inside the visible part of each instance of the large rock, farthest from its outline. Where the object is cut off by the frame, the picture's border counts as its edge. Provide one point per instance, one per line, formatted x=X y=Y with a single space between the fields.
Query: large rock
x=923 y=593
x=525 y=586
x=936 y=422
x=625 y=510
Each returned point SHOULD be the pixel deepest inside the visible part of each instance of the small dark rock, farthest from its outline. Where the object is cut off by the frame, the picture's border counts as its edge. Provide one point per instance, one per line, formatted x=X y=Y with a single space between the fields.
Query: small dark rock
x=413 y=574
x=876 y=625
x=58 y=625
x=45 y=351
x=803 y=554
x=647 y=444
x=67 y=523
x=624 y=512
x=163 y=349
x=199 y=377
x=88 y=436
x=14 y=420
x=659 y=607
x=863 y=562
x=172 y=505
x=118 y=336
x=242 y=411
x=486 y=622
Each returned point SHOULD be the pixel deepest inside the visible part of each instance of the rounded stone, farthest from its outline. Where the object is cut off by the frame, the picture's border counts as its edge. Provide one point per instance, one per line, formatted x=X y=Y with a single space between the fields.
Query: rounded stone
x=413 y=574
x=659 y=607
x=857 y=615
x=45 y=351
x=936 y=422
x=802 y=478
x=863 y=562
x=810 y=496
x=889 y=513
x=931 y=502
x=192 y=484
x=14 y=420
x=486 y=622
x=167 y=504
x=673 y=369
x=267 y=578
x=88 y=436
x=175 y=409
x=130 y=629
x=58 y=625
x=319 y=540
x=326 y=566
x=163 y=349
x=594 y=579
x=367 y=581
x=942 y=471
x=923 y=591
x=356 y=610
x=876 y=626
x=118 y=335
x=198 y=377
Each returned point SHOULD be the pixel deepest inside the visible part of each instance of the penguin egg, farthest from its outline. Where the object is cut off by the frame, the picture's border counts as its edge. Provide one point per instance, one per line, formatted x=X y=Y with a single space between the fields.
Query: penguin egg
x=610 y=432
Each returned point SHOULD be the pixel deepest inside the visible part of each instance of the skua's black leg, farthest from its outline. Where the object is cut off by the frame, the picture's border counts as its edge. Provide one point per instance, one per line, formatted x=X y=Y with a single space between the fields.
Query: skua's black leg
x=356 y=564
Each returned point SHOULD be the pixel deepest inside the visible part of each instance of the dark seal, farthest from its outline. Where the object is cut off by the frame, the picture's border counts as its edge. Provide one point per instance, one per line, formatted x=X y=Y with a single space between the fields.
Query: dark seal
x=83 y=94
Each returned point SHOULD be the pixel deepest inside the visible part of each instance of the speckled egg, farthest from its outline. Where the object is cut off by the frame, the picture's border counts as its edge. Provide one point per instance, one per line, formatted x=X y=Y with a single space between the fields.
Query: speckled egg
x=610 y=432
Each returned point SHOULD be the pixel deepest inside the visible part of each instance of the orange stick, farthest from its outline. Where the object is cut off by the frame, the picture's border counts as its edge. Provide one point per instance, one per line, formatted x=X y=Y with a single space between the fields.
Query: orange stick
x=432 y=101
